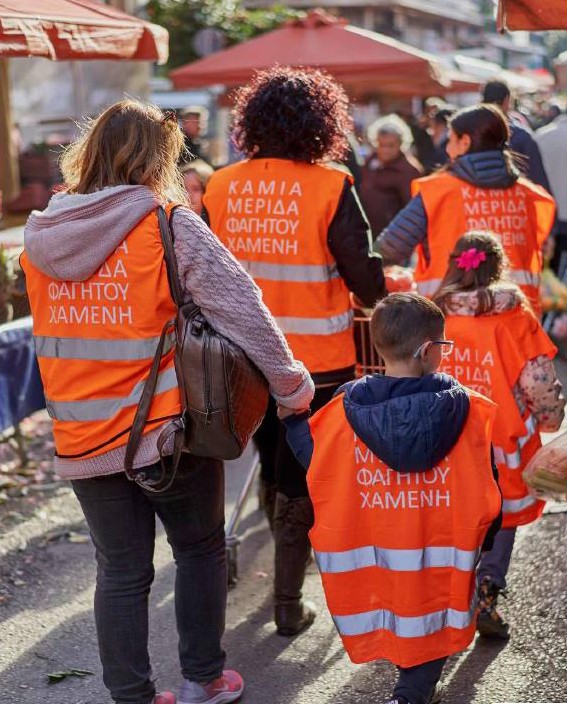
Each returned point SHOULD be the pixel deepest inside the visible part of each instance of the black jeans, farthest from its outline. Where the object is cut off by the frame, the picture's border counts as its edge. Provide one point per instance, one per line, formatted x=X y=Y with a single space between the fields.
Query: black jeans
x=417 y=684
x=279 y=465
x=121 y=518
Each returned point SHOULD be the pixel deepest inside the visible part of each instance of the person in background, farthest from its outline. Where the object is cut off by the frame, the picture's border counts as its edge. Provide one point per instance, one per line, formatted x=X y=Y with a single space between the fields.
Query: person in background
x=440 y=133
x=501 y=351
x=388 y=173
x=96 y=342
x=194 y=122
x=552 y=143
x=420 y=127
x=405 y=499
x=295 y=223
x=196 y=175
x=521 y=140
x=480 y=189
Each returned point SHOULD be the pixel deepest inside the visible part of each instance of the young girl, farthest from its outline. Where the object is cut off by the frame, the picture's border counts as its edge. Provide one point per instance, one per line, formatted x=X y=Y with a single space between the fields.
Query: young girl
x=501 y=351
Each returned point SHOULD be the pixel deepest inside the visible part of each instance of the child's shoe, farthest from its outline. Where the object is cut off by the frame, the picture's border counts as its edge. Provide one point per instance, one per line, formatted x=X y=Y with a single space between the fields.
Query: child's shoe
x=226 y=688
x=165 y=698
x=489 y=623
x=397 y=700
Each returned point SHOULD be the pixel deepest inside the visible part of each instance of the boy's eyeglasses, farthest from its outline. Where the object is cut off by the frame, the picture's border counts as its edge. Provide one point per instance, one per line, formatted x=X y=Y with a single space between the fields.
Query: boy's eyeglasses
x=446 y=345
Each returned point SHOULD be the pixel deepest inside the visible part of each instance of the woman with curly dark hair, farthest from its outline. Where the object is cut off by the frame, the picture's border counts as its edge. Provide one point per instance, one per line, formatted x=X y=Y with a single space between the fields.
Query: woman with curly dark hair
x=296 y=225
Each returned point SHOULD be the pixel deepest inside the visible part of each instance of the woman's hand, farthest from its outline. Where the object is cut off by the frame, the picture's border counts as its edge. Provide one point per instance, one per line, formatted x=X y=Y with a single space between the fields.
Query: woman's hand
x=285 y=412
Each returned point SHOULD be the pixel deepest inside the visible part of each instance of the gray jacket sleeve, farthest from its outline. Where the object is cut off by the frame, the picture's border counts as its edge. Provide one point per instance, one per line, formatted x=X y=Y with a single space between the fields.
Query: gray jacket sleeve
x=408 y=229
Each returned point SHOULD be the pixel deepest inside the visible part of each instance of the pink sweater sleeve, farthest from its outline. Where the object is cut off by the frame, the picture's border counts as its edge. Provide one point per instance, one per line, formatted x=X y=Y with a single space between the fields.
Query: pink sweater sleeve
x=232 y=303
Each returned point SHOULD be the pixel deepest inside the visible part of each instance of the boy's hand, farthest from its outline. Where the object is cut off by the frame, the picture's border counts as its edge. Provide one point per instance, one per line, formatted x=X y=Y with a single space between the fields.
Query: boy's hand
x=285 y=412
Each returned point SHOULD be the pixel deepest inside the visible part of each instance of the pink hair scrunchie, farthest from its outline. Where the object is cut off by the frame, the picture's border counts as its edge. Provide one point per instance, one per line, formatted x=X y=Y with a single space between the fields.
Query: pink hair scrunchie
x=470 y=259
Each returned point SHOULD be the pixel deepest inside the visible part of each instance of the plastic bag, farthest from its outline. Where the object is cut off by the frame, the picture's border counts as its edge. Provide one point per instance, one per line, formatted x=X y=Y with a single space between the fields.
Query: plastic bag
x=546 y=473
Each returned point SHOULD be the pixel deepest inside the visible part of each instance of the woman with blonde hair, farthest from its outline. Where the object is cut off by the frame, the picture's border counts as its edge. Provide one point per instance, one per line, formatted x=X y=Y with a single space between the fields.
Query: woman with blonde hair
x=99 y=293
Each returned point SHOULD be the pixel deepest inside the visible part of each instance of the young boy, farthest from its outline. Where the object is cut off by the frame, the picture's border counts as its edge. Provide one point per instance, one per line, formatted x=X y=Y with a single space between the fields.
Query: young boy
x=405 y=498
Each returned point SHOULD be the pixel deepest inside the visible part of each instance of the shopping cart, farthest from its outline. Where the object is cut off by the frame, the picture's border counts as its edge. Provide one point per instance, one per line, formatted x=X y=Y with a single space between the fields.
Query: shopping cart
x=368 y=361
x=233 y=540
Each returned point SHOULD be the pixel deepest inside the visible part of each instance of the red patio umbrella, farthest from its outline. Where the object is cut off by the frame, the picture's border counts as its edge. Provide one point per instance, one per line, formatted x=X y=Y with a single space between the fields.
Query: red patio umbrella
x=77 y=29
x=354 y=56
x=532 y=14
x=67 y=29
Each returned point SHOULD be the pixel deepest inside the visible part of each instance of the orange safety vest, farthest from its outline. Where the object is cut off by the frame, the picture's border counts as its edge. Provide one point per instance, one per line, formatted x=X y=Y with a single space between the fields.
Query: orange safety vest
x=489 y=355
x=95 y=341
x=397 y=552
x=274 y=216
x=522 y=216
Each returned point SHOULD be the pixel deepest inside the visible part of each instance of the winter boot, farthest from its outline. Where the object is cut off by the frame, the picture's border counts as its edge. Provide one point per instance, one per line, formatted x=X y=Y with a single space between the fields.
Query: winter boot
x=267 y=501
x=292 y=522
x=489 y=623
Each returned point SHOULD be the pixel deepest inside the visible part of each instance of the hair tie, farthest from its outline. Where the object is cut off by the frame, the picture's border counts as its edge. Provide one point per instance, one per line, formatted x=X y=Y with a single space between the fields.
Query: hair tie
x=470 y=259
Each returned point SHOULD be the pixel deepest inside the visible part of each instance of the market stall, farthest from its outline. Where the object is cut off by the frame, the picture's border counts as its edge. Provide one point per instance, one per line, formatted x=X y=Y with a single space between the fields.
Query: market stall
x=362 y=60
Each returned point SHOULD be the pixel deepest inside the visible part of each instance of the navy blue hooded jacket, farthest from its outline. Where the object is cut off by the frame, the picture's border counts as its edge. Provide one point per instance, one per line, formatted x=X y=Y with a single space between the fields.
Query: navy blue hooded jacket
x=410 y=423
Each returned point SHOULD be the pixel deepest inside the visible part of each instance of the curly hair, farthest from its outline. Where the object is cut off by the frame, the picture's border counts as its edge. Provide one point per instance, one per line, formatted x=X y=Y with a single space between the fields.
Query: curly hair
x=288 y=113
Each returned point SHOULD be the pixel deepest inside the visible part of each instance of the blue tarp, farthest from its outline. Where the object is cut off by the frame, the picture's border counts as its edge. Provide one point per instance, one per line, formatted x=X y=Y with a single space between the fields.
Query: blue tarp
x=21 y=390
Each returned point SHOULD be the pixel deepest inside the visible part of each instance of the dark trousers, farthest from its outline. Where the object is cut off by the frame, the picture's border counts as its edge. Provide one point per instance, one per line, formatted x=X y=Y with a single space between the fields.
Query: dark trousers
x=279 y=465
x=122 y=520
x=416 y=684
x=496 y=563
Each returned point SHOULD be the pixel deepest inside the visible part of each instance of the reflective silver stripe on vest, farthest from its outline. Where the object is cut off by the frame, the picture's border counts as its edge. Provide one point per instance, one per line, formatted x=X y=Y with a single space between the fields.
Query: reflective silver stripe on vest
x=513 y=460
x=531 y=427
x=403 y=626
x=99 y=350
x=105 y=408
x=524 y=278
x=428 y=288
x=316 y=326
x=305 y=273
x=397 y=560
x=517 y=505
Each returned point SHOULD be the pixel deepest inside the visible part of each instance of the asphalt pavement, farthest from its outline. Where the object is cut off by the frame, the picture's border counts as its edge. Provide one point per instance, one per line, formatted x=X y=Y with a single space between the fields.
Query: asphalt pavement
x=46 y=622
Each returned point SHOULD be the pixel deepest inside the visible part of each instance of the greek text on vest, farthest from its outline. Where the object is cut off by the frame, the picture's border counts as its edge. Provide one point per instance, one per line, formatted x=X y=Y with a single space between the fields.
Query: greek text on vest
x=384 y=488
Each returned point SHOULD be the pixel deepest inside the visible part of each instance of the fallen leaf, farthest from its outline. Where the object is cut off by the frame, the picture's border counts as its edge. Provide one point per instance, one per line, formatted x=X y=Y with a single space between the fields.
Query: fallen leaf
x=54 y=677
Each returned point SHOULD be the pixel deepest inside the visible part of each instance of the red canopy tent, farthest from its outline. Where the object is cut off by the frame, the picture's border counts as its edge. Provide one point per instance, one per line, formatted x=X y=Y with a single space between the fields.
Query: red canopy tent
x=67 y=29
x=77 y=29
x=532 y=14
x=356 y=57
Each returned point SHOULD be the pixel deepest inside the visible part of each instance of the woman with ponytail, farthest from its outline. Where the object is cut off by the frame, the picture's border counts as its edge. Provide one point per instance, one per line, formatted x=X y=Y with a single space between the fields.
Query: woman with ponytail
x=501 y=351
x=480 y=189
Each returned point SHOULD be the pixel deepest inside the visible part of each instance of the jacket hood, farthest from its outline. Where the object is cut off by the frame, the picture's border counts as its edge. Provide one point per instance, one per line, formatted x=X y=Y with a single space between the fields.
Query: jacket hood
x=411 y=424
x=485 y=170
x=76 y=233
x=503 y=298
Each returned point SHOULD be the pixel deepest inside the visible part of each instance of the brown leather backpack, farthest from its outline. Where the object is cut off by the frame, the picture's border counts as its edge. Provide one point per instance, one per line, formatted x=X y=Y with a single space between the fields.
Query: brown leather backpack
x=223 y=395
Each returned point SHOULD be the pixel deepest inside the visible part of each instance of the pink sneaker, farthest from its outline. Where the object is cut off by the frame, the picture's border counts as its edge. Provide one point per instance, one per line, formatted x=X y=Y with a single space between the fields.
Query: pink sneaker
x=226 y=688
x=165 y=698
